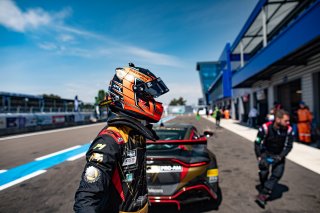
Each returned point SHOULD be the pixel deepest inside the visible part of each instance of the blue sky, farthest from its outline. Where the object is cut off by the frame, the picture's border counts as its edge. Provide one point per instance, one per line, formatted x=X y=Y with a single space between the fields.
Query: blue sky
x=72 y=48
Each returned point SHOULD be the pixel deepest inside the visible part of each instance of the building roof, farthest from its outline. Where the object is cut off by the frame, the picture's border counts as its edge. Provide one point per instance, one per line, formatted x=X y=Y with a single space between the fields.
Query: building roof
x=11 y=94
x=278 y=13
x=206 y=62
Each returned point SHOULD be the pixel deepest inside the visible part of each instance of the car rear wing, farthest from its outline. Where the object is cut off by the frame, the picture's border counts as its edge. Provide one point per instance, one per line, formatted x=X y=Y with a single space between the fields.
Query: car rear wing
x=202 y=140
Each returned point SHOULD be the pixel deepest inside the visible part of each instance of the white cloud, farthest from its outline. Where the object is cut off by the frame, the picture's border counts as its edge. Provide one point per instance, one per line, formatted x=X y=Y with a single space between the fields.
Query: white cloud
x=189 y=91
x=80 y=32
x=47 y=46
x=86 y=90
x=63 y=14
x=115 y=49
x=15 y=19
x=153 y=57
x=12 y=17
x=65 y=38
x=79 y=52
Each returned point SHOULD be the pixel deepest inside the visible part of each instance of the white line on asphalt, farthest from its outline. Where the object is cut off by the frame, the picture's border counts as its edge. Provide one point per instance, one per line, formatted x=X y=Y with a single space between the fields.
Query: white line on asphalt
x=76 y=156
x=57 y=153
x=2 y=170
x=22 y=179
x=48 y=131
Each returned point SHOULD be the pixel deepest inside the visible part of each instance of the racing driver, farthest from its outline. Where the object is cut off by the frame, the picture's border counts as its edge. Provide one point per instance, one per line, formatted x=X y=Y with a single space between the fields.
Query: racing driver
x=114 y=177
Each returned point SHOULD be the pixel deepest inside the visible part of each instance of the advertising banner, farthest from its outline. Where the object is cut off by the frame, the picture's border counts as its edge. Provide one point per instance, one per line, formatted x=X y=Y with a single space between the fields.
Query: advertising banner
x=58 y=119
x=87 y=117
x=31 y=120
x=78 y=117
x=22 y=122
x=176 y=109
x=12 y=122
x=44 y=119
x=69 y=118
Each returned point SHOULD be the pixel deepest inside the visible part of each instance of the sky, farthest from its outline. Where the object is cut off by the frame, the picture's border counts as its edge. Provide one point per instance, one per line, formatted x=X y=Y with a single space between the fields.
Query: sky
x=72 y=47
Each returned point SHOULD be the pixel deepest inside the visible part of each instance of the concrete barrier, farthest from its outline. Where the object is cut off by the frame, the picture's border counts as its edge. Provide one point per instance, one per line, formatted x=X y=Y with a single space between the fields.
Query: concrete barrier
x=27 y=122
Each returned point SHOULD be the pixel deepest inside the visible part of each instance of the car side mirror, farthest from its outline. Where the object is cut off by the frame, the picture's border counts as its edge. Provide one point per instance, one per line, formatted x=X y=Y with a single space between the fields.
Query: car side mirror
x=207 y=134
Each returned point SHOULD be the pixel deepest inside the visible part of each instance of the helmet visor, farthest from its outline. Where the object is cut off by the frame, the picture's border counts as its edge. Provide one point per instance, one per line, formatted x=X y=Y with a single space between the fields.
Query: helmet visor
x=155 y=88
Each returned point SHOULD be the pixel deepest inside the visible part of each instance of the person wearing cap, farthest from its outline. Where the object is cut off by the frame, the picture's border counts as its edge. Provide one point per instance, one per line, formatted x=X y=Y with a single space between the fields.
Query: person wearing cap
x=304 y=123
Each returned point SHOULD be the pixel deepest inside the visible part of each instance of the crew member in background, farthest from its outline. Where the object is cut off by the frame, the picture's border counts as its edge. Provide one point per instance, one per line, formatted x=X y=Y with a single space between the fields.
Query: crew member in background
x=76 y=104
x=304 y=123
x=253 y=117
x=276 y=106
x=210 y=111
x=207 y=112
x=114 y=178
x=226 y=113
x=198 y=115
x=272 y=145
x=217 y=115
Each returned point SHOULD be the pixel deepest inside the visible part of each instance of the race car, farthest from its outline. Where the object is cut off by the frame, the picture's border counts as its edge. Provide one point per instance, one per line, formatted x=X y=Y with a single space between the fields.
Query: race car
x=180 y=168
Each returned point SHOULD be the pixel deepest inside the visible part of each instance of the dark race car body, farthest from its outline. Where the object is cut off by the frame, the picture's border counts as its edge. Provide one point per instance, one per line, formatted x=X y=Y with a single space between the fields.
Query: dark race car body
x=180 y=168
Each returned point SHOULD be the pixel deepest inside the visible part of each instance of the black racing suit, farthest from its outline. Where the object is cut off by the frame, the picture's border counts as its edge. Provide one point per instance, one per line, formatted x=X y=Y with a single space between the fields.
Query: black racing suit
x=271 y=147
x=114 y=178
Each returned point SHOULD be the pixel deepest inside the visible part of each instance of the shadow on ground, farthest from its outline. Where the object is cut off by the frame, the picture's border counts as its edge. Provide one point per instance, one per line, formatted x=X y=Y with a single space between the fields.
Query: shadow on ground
x=278 y=191
x=199 y=207
x=190 y=208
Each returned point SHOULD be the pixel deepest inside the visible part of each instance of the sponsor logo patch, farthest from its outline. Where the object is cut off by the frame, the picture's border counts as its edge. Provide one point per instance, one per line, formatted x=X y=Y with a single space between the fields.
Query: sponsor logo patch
x=131 y=158
x=96 y=157
x=92 y=174
x=129 y=177
x=116 y=87
x=129 y=161
x=132 y=153
x=99 y=146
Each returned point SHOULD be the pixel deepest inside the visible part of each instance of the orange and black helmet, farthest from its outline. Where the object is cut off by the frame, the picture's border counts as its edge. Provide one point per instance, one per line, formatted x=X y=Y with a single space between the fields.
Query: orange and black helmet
x=133 y=91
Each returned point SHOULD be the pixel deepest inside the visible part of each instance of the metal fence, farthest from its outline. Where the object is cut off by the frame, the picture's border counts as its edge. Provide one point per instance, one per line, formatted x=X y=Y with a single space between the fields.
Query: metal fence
x=23 y=109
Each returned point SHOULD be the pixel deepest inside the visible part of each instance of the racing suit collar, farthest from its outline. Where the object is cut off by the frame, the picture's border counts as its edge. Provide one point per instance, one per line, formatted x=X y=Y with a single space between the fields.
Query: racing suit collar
x=278 y=127
x=120 y=120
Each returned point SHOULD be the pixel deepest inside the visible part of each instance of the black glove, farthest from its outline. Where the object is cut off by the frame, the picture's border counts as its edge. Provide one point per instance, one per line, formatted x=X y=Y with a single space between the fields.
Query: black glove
x=263 y=163
x=262 y=156
x=276 y=159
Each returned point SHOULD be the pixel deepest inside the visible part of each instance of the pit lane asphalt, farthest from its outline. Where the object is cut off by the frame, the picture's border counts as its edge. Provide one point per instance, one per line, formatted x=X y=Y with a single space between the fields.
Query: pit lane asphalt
x=53 y=191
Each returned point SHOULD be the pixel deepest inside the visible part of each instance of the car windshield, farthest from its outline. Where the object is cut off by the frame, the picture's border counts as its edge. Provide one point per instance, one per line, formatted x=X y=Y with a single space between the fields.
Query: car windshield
x=171 y=133
x=168 y=134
